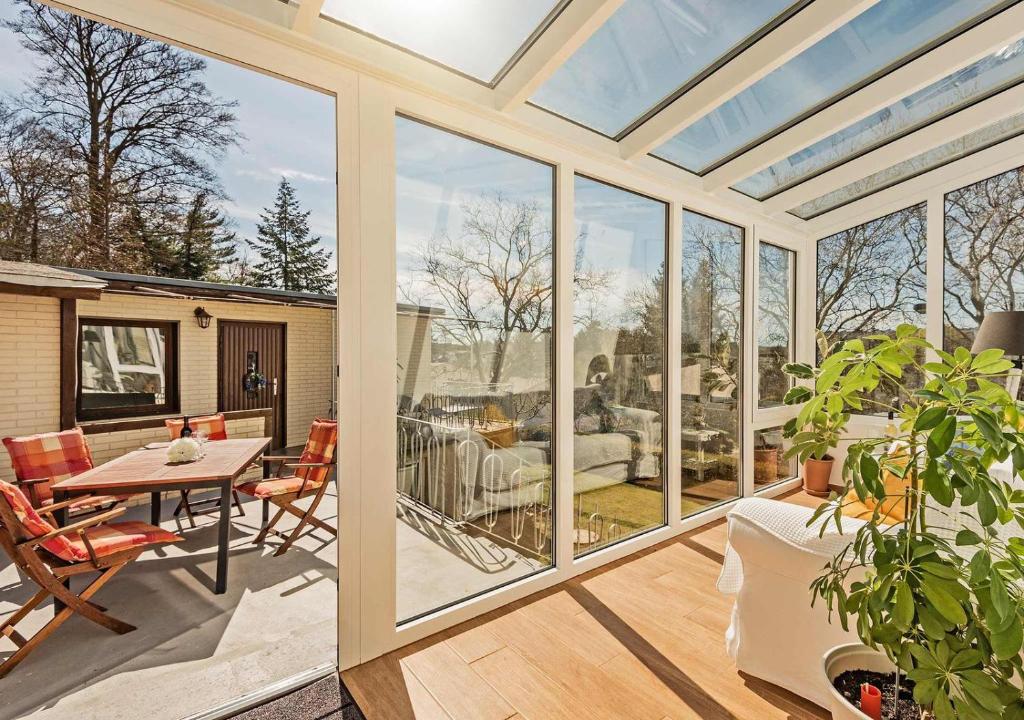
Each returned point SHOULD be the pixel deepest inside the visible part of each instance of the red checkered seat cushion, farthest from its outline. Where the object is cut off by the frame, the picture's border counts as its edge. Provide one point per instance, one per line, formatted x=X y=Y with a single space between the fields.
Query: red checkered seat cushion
x=214 y=426
x=323 y=438
x=53 y=457
x=106 y=538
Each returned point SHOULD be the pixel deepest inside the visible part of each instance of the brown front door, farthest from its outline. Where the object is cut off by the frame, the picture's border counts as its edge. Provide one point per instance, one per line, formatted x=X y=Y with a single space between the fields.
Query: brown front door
x=243 y=346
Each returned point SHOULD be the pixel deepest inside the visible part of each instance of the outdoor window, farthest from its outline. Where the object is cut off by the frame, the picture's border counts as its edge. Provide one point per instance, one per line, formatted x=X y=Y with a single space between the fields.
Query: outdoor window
x=474 y=320
x=871 y=278
x=984 y=254
x=126 y=367
x=776 y=286
x=712 y=325
x=618 y=364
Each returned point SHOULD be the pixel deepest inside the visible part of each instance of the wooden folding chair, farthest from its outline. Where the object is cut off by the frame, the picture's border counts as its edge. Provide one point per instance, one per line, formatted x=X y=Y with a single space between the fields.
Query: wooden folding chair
x=49 y=555
x=215 y=428
x=308 y=476
x=41 y=460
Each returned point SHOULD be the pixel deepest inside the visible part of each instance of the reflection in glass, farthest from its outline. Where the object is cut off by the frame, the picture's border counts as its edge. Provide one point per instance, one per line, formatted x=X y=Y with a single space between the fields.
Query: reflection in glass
x=712 y=325
x=770 y=464
x=122 y=366
x=644 y=52
x=953 y=92
x=776 y=285
x=984 y=254
x=936 y=157
x=476 y=38
x=618 y=364
x=871 y=279
x=474 y=266
x=881 y=35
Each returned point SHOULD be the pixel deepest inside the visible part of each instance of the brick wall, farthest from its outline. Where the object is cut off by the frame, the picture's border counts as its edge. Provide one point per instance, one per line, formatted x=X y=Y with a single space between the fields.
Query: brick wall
x=29 y=368
x=30 y=364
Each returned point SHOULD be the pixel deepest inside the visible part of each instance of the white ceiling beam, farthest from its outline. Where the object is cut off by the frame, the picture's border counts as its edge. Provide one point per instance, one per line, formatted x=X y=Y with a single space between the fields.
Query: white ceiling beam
x=574 y=25
x=307 y=14
x=984 y=39
x=785 y=42
x=1001 y=106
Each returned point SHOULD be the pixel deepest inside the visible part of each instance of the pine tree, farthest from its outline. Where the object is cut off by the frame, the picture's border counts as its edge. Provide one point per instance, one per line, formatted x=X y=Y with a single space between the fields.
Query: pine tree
x=289 y=257
x=205 y=243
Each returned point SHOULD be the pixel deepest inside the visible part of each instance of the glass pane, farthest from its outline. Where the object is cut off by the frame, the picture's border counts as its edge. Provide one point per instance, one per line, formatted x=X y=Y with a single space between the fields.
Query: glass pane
x=712 y=325
x=474 y=265
x=878 y=37
x=644 y=52
x=776 y=287
x=871 y=279
x=936 y=157
x=122 y=366
x=476 y=37
x=953 y=92
x=770 y=463
x=984 y=254
x=618 y=364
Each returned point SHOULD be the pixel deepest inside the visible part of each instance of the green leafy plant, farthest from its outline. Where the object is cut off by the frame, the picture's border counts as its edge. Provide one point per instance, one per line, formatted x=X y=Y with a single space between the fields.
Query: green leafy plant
x=942 y=592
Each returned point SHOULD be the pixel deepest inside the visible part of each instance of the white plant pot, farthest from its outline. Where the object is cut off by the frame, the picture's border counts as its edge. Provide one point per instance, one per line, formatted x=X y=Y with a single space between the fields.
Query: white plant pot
x=852 y=656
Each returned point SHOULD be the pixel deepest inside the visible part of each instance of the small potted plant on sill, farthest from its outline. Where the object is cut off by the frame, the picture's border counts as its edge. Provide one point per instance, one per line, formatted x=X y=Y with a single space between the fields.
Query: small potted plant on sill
x=933 y=582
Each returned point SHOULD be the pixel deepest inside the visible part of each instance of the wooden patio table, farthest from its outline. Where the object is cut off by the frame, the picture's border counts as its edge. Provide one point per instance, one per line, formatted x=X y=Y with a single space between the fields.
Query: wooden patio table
x=147 y=470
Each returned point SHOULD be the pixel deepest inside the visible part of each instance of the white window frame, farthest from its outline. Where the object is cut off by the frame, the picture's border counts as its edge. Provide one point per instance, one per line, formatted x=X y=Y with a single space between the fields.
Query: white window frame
x=368 y=98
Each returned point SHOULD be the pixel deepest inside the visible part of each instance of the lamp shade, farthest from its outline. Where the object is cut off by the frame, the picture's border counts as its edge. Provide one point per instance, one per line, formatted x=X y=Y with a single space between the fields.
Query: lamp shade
x=1003 y=330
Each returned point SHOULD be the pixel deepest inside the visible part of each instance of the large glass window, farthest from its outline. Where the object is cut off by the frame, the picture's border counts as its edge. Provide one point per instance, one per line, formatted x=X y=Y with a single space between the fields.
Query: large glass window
x=475 y=38
x=938 y=156
x=618 y=364
x=126 y=368
x=966 y=86
x=644 y=52
x=871 y=278
x=475 y=286
x=712 y=382
x=882 y=35
x=984 y=254
x=776 y=286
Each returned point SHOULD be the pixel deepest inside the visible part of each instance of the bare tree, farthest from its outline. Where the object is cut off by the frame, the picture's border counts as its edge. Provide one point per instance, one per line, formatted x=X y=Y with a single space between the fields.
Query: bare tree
x=984 y=253
x=132 y=115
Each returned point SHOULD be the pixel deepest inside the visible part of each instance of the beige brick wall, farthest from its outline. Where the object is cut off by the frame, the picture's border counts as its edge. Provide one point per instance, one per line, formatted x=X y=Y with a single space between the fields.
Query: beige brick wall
x=29 y=368
x=30 y=364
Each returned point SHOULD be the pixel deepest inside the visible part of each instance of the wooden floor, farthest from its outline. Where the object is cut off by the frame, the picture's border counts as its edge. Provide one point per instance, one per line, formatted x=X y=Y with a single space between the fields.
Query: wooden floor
x=640 y=639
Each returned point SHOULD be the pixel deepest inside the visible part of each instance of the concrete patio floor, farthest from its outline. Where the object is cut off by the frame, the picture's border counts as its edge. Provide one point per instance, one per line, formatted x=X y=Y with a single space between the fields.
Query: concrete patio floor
x=192 y=649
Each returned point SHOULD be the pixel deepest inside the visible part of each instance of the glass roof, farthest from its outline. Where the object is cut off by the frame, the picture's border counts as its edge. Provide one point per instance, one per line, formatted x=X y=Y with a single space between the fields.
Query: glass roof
x=889 y=32
x=475 y=37
x=954 y=92
x=934 y=158
x=647 y=50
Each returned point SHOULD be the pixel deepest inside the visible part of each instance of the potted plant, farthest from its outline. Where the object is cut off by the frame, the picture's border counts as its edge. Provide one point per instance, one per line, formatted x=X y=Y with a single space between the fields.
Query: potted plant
x=940 y=593
x=766 y=461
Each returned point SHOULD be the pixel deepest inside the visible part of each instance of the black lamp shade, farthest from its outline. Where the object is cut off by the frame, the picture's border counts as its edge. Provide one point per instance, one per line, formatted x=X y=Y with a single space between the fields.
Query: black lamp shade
x=1003 y=330
x=203 y=317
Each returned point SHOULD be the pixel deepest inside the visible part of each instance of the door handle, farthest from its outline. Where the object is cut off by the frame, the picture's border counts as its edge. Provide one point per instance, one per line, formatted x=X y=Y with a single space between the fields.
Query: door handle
x=275 y=387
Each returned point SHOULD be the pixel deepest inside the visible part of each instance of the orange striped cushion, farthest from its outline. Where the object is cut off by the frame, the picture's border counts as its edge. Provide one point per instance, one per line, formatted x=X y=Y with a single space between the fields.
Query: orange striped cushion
x=35 y=525
x=213 y=425
x=113 y=537
x=264 y=489
x=51 y=456
x=323 y=437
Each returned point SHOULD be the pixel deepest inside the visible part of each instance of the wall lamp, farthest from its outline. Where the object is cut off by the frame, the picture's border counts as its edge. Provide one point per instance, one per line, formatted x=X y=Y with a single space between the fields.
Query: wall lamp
x=203 y=318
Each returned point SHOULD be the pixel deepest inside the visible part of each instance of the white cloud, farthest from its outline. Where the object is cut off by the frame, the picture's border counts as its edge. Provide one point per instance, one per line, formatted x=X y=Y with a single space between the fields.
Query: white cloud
x=299 y=175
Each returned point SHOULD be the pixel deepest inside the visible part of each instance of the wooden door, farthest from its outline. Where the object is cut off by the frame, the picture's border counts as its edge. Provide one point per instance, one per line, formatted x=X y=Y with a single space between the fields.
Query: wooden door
x=244 y=345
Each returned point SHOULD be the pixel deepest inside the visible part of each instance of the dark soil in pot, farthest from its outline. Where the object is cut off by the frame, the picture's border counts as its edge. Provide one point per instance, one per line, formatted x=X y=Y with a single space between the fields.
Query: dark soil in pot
x=849 y=682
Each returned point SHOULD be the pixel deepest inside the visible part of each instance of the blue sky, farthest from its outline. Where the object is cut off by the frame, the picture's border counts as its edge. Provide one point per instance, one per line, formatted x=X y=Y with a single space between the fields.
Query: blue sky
x=288 y=131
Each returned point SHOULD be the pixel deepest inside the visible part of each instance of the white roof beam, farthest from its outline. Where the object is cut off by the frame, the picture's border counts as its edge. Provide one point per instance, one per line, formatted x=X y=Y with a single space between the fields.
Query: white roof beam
x=306 y=15
x=983 y=39
x=1001 y=106
x=785 y=42
x=574 y=25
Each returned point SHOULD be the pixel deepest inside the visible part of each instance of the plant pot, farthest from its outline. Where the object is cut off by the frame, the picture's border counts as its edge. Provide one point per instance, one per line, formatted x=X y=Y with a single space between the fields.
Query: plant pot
x=852 y=656
x=816 y=476
x=766 y=465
